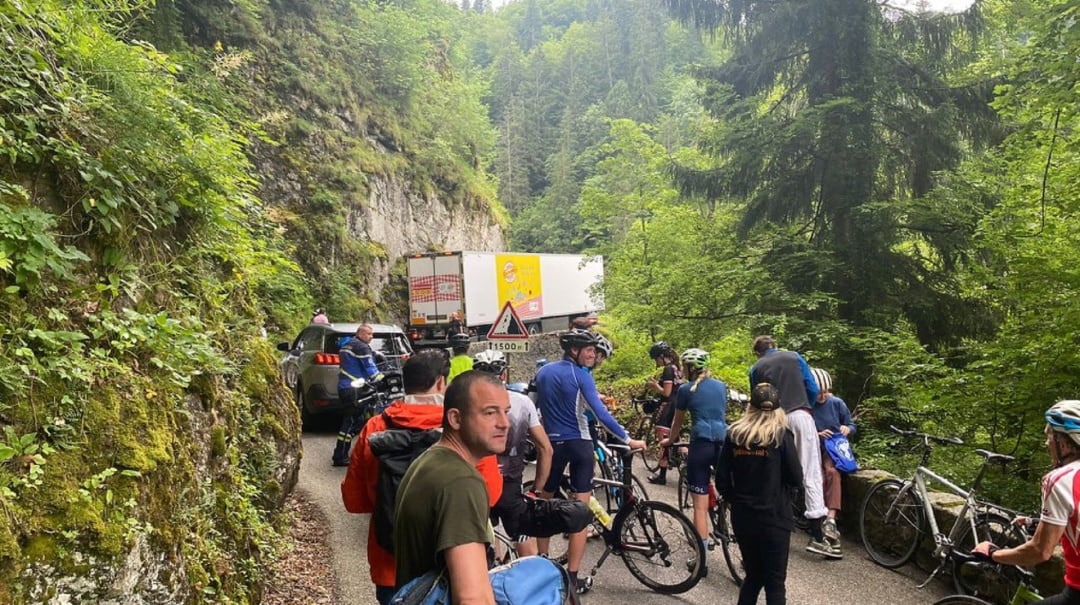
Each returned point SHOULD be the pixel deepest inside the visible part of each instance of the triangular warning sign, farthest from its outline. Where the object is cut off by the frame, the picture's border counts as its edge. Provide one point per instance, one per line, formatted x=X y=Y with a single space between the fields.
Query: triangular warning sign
x=508 y=325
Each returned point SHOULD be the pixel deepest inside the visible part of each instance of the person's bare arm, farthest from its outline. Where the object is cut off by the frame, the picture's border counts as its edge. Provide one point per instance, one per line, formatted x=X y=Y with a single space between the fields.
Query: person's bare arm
x=466 y=566
x=1036 y=550
x=543 y=456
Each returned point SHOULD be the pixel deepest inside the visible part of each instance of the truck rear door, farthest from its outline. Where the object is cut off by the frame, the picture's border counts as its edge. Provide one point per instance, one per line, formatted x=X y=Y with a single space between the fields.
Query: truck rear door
x=435 y=290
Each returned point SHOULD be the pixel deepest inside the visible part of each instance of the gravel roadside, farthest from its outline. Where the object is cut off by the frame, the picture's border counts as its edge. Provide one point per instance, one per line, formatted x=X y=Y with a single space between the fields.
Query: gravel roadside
x=305 y=571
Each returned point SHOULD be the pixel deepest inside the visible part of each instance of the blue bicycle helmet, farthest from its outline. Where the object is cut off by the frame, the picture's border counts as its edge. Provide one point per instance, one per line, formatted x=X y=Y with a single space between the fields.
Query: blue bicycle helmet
x=1064 y=417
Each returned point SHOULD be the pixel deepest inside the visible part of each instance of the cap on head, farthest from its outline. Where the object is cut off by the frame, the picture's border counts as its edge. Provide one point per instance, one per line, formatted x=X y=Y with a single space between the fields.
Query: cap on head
x=765 y=397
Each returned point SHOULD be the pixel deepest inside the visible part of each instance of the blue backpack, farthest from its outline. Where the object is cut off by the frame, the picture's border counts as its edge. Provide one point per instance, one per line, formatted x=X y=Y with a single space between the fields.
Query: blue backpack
x=839 y=449
x=525 y=581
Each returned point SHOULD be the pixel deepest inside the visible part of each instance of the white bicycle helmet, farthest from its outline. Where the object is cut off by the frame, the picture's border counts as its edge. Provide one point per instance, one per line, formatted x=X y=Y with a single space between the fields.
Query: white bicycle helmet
x=697 y=359
x=822 y=378
x=490 y=361
x=1064 y=417
x=603 y=345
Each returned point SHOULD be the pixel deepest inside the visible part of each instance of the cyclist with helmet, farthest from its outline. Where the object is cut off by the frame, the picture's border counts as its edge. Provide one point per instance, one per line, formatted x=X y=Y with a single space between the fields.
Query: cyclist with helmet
x=565 y=388
x=512 y=508
x=705 y=398
x=666 y=387
x=831 y=415
x=460 y=362
x=1059 y=521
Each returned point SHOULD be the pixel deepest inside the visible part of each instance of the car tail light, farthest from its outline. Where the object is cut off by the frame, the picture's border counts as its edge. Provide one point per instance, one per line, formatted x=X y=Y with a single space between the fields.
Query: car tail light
x=327 y=359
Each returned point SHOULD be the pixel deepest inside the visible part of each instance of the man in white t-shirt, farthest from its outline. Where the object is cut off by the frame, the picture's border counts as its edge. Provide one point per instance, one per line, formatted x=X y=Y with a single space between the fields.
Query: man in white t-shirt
x=1059 y=521
x=512 y=507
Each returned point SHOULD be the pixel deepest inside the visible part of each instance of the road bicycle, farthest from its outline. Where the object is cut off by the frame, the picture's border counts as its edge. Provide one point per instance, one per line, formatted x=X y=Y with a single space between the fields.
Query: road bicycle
x=895 y=512
x=657 y=543
x=722 y=532
x=505 y=550
x=1023 y=595
x=644 y=428
x=611 y=468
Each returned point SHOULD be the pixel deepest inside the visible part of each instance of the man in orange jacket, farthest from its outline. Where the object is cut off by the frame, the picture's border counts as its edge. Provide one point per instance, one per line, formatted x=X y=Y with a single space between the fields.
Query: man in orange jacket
x=424 y=376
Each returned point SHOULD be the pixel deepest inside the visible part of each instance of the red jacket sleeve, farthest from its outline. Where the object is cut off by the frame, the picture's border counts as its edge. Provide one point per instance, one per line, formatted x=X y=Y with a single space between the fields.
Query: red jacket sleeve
x=489 y=469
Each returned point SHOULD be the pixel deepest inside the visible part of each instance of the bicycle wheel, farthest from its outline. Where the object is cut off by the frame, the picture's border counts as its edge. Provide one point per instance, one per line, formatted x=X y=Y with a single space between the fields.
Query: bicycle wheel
x=505 y=549
x=891 y=522
x=685 y=503
x=661 y=548
x=724 y=534
x=959 y=599
x=984 y=580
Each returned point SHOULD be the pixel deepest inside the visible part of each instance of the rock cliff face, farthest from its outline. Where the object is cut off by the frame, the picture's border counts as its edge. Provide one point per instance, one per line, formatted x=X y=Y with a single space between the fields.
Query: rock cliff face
x=402 y=222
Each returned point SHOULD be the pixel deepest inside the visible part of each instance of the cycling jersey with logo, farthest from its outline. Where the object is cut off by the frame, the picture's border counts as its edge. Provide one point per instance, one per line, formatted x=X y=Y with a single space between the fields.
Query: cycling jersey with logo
x=557 y=387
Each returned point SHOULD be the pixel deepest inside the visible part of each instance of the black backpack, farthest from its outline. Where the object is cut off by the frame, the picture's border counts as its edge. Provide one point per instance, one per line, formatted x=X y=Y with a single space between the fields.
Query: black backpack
x=395 y=448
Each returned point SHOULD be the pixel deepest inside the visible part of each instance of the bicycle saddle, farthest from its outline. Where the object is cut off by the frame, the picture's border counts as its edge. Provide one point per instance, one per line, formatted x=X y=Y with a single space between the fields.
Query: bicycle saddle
x=992 y=458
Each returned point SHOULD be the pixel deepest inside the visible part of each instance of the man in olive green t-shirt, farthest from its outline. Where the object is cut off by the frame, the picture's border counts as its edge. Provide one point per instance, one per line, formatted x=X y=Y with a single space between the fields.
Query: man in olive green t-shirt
x=441 y=512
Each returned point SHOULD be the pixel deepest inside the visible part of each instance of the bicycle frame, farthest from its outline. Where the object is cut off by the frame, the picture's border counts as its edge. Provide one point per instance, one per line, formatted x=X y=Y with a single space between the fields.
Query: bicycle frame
x=942 y=542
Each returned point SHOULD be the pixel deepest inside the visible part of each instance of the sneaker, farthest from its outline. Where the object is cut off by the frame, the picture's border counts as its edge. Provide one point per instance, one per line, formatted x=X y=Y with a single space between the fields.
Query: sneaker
x=584 y=585
x=836 y=551
x=828 y=527
x=658 y=480
x=818 y=547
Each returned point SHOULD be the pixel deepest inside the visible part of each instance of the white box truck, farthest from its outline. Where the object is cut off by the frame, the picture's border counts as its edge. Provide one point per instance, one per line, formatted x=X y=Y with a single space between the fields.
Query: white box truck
x=546 y=290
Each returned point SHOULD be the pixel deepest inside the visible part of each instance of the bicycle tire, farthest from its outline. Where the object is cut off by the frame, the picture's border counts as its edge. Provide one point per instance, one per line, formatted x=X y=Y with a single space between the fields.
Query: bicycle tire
x=724 y=533
x=961 y=599
x=506 y=546
x=981 y=580
x=890 y=536
x=672 y=546
x=685 y=501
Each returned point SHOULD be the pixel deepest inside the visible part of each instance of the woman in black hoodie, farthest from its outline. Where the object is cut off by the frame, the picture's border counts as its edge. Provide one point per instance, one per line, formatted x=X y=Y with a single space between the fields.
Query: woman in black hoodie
x=757 y=470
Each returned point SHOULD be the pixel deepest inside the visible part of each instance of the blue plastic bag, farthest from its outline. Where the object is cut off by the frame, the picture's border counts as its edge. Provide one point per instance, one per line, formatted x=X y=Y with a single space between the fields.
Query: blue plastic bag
x=839 y=449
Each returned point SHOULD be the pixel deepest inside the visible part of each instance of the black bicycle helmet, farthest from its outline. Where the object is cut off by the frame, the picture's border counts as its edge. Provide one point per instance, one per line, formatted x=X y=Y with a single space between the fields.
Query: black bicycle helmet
x=576 y=339
x=459 y=341
x=661 y=348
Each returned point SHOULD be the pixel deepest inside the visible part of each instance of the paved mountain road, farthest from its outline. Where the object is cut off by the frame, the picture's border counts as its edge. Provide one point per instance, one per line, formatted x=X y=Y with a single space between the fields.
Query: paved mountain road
x=855 y=580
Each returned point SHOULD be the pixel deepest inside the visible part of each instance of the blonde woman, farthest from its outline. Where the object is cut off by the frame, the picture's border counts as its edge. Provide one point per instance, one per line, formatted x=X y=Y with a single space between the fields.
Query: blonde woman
x=757 y=470
x=705 y=399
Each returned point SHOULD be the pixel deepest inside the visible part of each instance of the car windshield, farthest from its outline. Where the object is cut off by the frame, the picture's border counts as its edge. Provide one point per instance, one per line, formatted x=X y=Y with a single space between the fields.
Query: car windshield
x=387 y=344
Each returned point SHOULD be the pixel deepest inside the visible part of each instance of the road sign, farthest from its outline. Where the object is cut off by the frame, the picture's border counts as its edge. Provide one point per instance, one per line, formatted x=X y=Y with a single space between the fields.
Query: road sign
x=508 y=325
x=509 y=346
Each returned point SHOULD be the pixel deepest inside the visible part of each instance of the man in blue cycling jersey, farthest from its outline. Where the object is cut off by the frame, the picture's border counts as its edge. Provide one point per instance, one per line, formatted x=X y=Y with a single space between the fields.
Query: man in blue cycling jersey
x=564 y=390
x=357 y=362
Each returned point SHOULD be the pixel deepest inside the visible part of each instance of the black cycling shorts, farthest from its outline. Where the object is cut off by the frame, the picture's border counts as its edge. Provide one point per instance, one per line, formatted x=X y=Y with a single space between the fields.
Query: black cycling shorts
x=700 y=459
x=666 y=414
x=578 y=455
x=511 y=509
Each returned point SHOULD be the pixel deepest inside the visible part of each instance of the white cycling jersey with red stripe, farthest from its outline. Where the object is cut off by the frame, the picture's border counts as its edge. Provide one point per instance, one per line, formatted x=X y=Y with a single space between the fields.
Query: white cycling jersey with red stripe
x=1061 y=503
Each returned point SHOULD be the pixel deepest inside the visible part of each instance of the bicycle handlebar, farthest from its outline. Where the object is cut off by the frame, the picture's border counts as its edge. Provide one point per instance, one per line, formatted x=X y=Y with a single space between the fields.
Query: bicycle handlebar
x=914 y=433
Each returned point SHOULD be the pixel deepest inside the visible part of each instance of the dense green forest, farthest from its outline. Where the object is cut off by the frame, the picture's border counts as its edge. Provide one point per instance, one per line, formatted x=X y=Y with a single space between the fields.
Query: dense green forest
x=889 y=192
x=893 y=193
